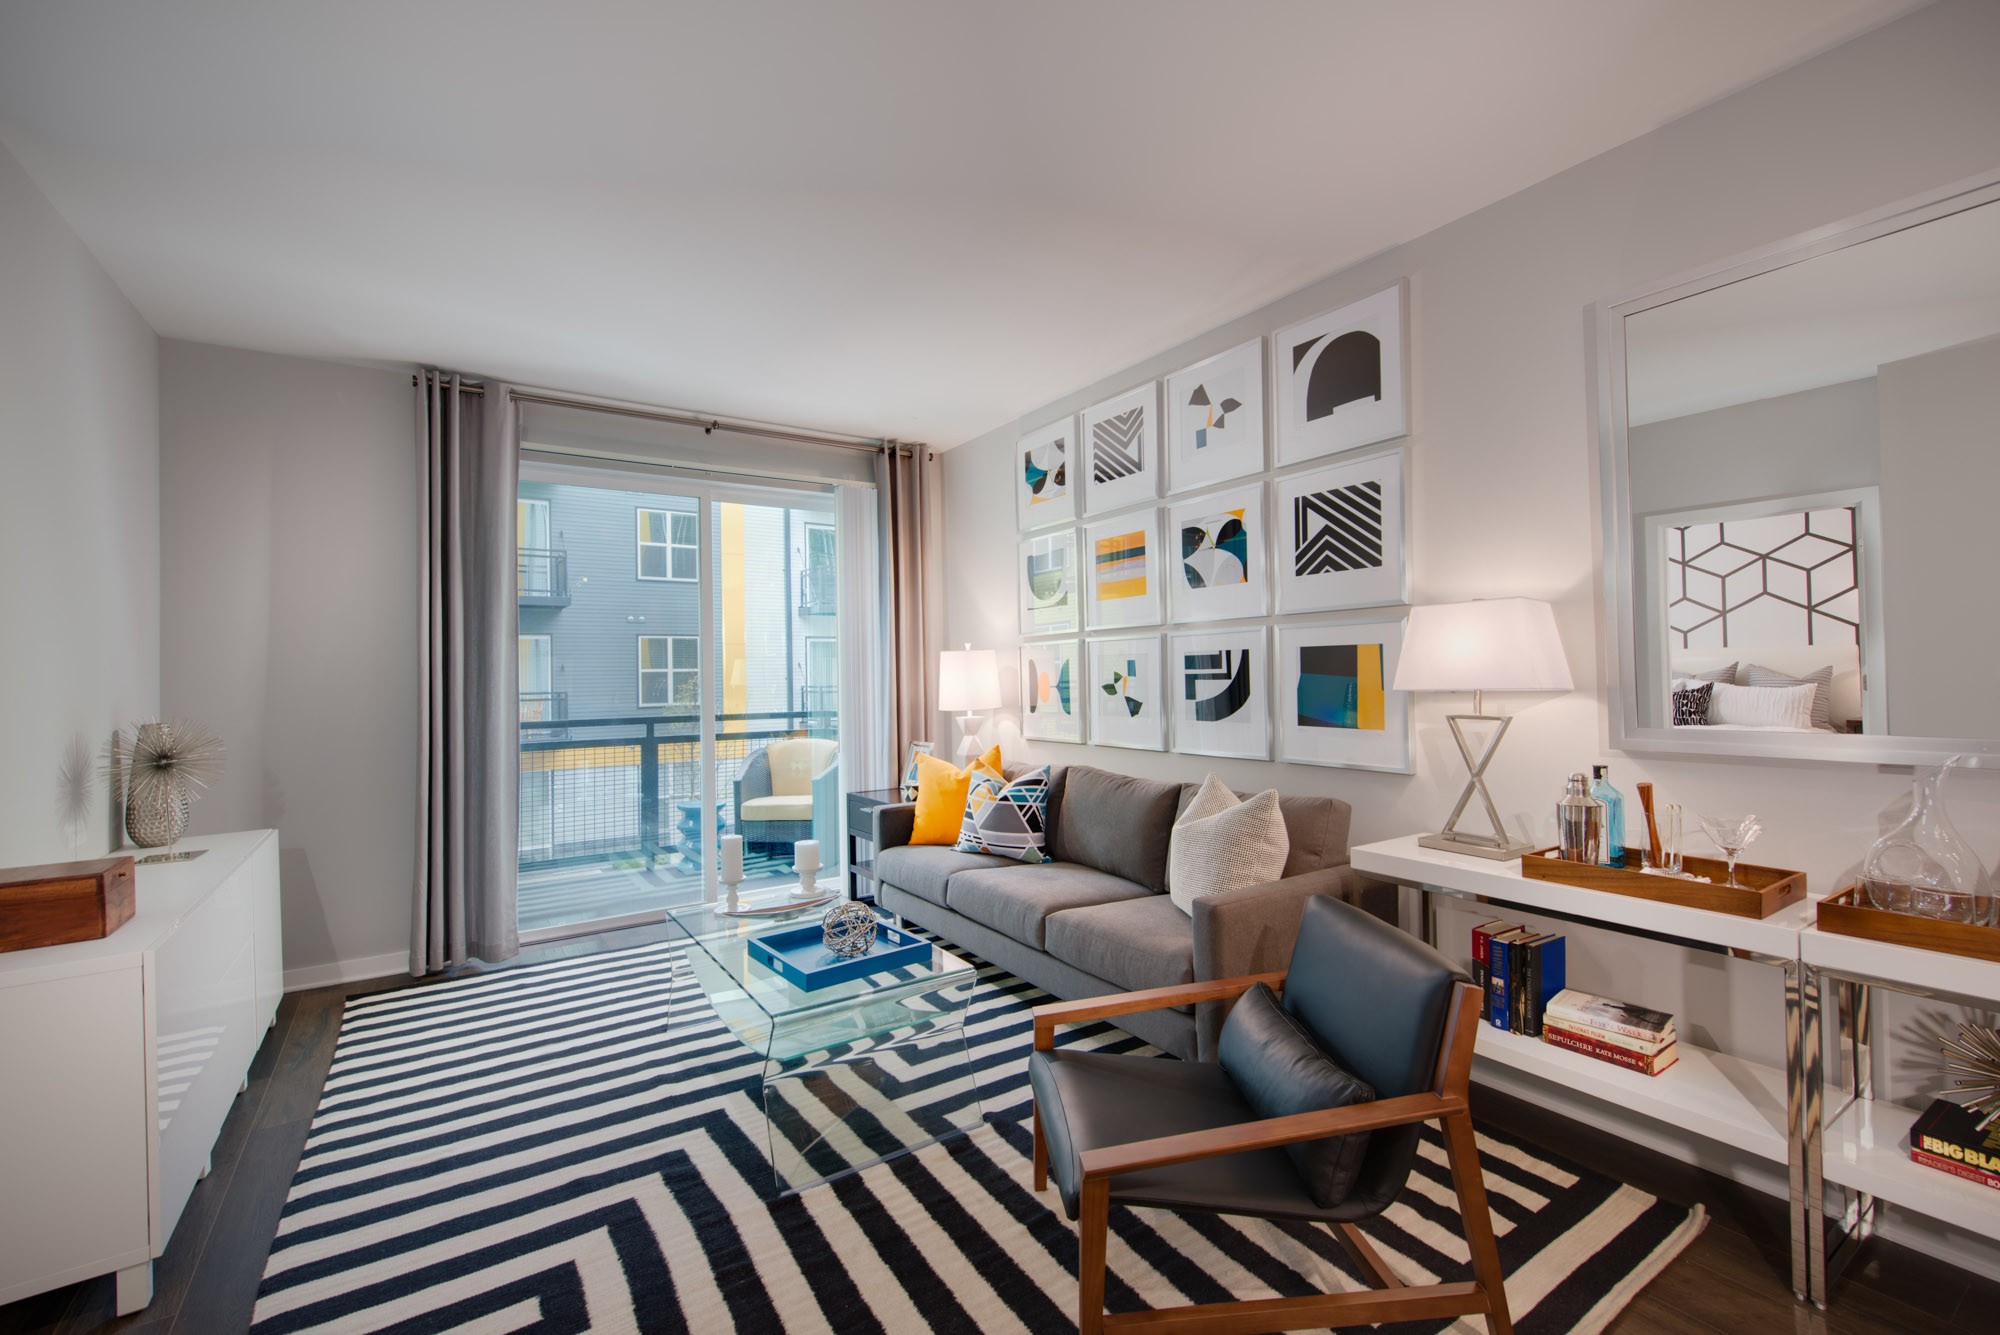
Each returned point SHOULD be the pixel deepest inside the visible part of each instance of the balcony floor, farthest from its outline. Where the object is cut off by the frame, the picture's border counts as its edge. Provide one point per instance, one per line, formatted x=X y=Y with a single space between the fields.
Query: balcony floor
x=559 y=896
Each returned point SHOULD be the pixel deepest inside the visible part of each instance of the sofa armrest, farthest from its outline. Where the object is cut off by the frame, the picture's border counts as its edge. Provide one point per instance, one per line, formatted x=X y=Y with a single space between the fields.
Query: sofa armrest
x=893 y=823
x=1251 y=931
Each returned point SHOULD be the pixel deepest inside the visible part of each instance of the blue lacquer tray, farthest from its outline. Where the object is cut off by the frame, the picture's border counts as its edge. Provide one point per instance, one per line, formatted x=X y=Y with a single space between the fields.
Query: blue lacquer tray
x=799 y=955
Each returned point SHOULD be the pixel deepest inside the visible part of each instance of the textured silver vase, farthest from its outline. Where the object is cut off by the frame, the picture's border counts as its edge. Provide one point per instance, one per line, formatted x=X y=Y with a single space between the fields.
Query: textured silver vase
x=157 y=820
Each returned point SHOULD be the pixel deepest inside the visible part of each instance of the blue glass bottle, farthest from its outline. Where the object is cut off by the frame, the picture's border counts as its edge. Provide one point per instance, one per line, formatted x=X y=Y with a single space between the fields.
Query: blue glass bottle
x=1614 y=816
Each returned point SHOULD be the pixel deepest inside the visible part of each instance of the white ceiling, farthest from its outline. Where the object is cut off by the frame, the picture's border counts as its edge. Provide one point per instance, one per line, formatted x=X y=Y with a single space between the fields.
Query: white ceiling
x=905 y=217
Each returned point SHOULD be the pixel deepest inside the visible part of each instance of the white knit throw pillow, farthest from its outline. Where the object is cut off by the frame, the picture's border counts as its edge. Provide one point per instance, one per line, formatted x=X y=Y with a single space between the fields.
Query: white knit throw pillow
x=1223 y=843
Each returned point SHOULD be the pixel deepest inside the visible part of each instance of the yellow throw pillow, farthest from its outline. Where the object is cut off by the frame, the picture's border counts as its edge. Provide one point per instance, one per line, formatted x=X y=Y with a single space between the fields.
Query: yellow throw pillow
x=941 y=790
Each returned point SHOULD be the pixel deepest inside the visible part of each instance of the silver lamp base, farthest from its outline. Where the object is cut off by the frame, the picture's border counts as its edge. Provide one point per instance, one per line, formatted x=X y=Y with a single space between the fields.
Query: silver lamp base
x=1474 y=845
x=1451 y=839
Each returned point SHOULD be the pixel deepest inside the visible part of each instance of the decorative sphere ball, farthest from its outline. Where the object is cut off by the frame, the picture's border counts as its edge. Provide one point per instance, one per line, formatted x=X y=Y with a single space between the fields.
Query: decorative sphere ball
x=849 y=929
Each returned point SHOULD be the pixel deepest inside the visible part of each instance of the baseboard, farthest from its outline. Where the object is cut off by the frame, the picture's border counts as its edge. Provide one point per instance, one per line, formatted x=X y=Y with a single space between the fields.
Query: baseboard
x=346 y=971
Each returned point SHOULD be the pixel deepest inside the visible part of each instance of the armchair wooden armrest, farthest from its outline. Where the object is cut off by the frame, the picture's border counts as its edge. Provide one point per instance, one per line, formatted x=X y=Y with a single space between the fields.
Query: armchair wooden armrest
x=1110 y=1160
x=1152 y=999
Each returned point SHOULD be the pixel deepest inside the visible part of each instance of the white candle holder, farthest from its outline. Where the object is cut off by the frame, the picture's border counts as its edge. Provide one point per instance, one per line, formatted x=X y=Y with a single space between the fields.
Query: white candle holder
x=805 y=858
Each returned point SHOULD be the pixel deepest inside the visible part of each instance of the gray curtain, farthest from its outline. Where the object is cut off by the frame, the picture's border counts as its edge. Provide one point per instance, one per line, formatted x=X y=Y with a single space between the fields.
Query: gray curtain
x=903 y=482
x=468 y=776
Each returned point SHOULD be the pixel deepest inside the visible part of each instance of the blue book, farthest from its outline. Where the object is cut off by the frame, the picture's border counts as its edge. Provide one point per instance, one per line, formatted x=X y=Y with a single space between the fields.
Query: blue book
x=1500 y=977
x=1548 y=974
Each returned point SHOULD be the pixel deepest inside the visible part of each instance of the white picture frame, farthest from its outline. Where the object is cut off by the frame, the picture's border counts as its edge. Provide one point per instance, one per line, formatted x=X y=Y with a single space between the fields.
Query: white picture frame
x=1123 y=571
x=1045 y=477
x=1126 y=686
x=1339 y=536
x=1334 y=704
x=1051 y=695
x=1197 y=548
x=1201 y=451
x=1051 y=587
x=1120 y=450
x=1341 y=382
x=1219 y=680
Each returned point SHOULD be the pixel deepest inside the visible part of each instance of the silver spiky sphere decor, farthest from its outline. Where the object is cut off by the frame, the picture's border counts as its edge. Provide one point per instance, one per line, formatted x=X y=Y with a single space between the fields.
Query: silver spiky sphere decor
x=849 y=929
x=1973 y=1060
x=162 y=770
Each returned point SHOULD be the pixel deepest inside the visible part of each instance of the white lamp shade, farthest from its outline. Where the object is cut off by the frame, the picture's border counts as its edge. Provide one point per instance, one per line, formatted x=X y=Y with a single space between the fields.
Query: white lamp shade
x=968 y=679
x=1495 y=644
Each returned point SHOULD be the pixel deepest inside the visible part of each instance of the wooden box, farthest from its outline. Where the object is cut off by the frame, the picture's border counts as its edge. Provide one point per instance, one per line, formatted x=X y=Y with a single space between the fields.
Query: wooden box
x=63 y=902
x=1848 y=913
x=1764 y=891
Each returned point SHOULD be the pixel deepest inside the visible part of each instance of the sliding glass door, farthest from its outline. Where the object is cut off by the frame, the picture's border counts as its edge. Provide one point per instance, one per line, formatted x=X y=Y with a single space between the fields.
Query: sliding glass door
x=675 y=686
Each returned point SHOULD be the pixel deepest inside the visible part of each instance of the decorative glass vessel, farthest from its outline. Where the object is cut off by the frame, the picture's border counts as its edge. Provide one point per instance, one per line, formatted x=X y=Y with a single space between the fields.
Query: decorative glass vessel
x=1924 y=866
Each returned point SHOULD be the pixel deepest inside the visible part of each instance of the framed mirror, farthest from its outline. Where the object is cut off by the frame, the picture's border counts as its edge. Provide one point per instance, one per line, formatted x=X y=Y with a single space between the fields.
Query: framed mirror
x=1800 y=455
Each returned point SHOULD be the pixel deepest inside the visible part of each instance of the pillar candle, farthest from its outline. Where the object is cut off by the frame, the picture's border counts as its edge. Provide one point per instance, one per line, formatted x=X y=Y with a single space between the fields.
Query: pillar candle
x=732 y=857
x=805 y=855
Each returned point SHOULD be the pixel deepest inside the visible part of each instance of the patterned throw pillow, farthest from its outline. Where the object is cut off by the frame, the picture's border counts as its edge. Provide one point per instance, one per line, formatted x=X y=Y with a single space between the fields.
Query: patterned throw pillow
x=1691 y=705
x=1009 y=820
x=910 y=774
x=1821 y=680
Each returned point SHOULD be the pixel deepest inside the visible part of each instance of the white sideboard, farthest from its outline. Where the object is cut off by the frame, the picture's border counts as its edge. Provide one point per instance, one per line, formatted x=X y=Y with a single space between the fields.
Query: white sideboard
x=122 y=1057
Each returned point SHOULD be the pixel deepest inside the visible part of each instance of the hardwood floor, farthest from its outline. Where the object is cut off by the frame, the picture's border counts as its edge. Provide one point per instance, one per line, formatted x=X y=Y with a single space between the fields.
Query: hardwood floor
x=1734 y=1278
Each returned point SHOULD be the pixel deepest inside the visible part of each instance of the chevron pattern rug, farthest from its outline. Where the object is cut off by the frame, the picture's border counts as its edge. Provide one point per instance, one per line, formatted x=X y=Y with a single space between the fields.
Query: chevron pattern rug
x=579 y=1146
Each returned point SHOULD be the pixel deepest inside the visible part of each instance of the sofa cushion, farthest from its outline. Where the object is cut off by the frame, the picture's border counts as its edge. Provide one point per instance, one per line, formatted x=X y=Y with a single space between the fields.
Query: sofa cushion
x=1223 y=842
x=1117 y=824
x=923 y=869
x=1316 y=826
x=778 y=808
x=1018 y=899
x=1134 y=943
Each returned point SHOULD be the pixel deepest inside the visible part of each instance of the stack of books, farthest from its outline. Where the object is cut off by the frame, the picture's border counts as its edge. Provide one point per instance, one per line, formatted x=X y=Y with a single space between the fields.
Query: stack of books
x=1947 y=1138
x=1519 y=970
x=1611 y=1031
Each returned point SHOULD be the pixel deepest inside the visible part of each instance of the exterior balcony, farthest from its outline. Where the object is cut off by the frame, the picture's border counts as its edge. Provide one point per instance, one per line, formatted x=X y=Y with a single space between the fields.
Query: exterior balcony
x=542 y=576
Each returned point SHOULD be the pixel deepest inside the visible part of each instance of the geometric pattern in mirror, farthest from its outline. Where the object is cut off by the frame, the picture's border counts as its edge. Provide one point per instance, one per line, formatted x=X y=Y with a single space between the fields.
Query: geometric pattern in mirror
x=1784 y=579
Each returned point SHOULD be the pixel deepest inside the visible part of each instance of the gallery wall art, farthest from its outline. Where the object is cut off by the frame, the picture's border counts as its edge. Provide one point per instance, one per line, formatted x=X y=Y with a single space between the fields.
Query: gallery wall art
x=1051 y=591
x=1217 y=545
x=1340 y=378
x=1334 y=702
x=1044 y=483
x=1121 y=451
x=1339 y=536
x=1215 y=419
x=1051 y=702
x=1124 y=570
x=1218 y=680
x=1128 y=700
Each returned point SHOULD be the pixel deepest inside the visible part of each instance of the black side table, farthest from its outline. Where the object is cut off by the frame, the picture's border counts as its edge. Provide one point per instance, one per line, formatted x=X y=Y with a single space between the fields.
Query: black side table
x=861 y=830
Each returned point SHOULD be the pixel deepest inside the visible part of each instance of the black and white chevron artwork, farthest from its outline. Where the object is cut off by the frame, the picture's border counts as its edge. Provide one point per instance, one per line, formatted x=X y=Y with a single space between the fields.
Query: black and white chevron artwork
x=1115 y=446
x=1339 y=529
x=581 y=1146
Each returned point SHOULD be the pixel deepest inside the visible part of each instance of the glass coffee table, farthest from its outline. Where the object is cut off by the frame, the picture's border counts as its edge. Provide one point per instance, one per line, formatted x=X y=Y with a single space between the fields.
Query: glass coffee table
x=855 y=1072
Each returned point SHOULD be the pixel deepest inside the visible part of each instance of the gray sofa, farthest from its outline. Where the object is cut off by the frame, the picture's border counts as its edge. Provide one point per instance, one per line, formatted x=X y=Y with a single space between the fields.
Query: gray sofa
x=1095 y=918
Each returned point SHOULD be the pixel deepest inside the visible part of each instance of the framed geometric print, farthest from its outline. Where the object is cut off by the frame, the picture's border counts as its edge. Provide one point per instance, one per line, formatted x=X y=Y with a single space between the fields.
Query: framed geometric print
x=1334 y=702
x=1218 y=680
x=1340 y=536
x=1044 y=488
x=1124 y=570
x=1340 y=378
x=1215 y=419
x=1051 y=593
x=1121 y=451
x=1128 y=706
x=1051 y=703
x=1217 y=545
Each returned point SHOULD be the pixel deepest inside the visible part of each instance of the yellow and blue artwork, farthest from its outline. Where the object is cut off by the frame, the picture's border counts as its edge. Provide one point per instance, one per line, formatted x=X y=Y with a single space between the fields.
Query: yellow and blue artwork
x=1340 y=686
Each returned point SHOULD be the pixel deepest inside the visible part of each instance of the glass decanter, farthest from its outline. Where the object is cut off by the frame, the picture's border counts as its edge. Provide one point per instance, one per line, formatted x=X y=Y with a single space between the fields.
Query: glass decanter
x=1924 y=866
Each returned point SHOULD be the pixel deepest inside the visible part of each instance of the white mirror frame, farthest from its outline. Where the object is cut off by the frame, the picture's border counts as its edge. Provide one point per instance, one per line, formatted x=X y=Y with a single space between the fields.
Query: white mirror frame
x=1622 y=597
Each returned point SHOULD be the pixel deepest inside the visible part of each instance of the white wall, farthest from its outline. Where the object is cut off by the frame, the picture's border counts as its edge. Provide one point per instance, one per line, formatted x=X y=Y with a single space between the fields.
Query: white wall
x=1502 y=453
x=289 y=509
x=79 y=526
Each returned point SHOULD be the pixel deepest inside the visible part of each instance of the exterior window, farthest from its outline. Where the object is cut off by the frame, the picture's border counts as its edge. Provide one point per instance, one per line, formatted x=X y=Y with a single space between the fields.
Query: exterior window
x=669 y=670
x=667 y=545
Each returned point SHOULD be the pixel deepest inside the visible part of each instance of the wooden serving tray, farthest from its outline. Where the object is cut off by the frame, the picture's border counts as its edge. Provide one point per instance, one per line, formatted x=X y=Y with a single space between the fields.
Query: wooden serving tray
x=1848 y=913
x=64 y=902
x=1764 y=891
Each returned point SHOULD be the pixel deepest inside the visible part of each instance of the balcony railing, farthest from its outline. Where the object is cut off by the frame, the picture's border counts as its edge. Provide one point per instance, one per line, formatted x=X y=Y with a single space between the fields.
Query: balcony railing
x=817 y=589
x=544 y=706
x=542 y=576
x=617 y=789
x=819 y=699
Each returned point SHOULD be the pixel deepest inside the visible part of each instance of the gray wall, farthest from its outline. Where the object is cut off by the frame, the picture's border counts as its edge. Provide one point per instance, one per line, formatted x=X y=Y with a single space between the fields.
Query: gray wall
x=79 y=526
x=288 y=514
x=1816 y=440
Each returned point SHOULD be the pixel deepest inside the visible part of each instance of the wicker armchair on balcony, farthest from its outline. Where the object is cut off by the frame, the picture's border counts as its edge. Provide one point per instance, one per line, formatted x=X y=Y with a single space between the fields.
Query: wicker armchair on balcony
x=790 y=791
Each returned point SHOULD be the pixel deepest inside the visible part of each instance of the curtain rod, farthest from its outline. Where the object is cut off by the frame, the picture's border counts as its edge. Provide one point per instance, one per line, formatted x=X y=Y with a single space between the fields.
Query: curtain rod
x=707 y=424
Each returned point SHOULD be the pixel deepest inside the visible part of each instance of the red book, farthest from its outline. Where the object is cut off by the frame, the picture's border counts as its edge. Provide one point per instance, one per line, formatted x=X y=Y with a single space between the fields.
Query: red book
x=1610 y=1039
x=1952 y=1166
x=1481 y=935
x=1604 y=1052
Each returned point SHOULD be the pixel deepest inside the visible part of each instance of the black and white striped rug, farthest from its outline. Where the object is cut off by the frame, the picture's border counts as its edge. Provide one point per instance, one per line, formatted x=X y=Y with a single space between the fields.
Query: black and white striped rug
x=580 y=1146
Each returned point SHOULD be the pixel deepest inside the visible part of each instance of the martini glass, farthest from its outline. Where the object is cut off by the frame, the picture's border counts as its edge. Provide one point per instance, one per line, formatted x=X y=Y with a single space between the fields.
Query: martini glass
x=1732 y=834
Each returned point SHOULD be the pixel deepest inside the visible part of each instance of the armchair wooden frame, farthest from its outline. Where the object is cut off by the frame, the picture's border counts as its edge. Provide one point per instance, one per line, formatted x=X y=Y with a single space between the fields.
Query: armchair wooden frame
x=1389 y=1299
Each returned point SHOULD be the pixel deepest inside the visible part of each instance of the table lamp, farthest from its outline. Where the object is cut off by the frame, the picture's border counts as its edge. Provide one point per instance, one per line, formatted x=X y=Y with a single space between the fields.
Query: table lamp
x=968 y=680
x=1494 y=644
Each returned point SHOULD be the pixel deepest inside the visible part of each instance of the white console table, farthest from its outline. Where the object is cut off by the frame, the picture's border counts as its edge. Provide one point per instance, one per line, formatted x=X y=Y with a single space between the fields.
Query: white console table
x=122 y=1057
